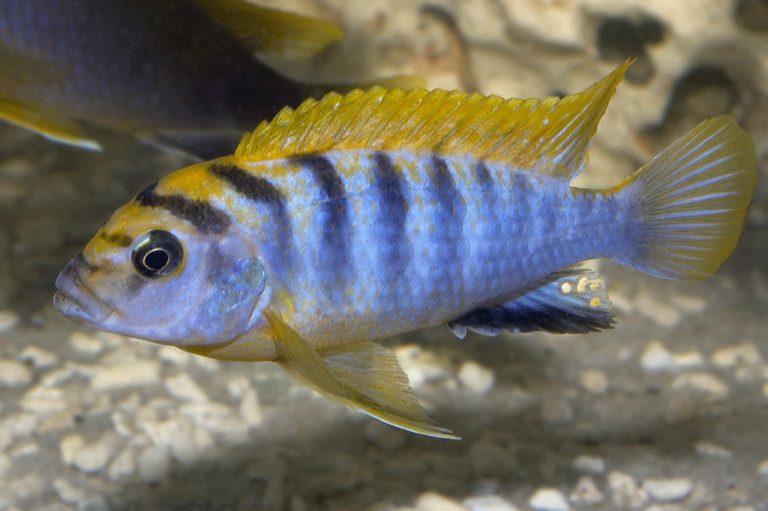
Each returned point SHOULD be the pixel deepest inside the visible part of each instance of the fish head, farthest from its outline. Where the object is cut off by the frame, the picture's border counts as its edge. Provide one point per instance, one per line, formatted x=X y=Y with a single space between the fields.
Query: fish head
x=149 y=275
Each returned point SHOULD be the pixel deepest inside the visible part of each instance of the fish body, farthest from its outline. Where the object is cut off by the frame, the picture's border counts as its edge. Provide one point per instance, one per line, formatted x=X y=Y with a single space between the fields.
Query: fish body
x=152 y=68
x=363 y=216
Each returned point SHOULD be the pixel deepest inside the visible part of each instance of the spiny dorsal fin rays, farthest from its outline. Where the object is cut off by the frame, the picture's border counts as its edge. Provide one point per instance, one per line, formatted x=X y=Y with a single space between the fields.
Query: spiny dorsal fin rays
x=549 y=135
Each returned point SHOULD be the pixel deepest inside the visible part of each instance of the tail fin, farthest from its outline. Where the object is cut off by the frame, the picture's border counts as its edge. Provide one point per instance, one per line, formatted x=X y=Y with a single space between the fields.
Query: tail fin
x=690 y=201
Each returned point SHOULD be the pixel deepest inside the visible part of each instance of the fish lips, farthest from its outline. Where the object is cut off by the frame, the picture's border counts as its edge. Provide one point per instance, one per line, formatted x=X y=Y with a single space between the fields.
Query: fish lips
x=74 y=300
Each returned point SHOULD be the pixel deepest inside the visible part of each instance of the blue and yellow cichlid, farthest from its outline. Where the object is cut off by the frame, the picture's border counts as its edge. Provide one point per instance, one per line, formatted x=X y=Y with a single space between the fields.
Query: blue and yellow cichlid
x=368 y=215
x=177 y=73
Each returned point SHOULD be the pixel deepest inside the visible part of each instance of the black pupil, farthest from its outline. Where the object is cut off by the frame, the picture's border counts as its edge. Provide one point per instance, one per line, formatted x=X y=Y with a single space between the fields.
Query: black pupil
x=157 y=253
x=156 y=259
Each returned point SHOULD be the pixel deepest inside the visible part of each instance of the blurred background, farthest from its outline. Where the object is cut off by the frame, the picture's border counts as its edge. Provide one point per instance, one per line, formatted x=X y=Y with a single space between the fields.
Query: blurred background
x=668 y=411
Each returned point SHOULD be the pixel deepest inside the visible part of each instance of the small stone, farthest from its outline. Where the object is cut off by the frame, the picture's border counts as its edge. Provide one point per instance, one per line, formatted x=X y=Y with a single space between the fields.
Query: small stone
x=711 y=386
x=134 y=374
x=687 y=360
x=38 y=357
x=744 y=354
x=14 y=373
x=154 y=463
x=432 y=501
x=44 y=400
x=712 y=450
x=557 y=412
x=656 y=358
x=476 y=378
x=762 y=468
x=123 y=466
x=86 y=344
x=548 y=499
x=625 y=491
x=91 y=458
x=68 y=492
x=217 y=419
x=69 y=447
x=668 y=490
x=184 y=388
x=589 y=464
x=585 y=492
x=24 y=449
x=8 y=320
x=488 y=503
x=594 y=381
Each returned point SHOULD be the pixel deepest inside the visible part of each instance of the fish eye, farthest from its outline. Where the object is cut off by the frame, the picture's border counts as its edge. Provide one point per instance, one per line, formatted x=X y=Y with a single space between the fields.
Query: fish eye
x=157 y=253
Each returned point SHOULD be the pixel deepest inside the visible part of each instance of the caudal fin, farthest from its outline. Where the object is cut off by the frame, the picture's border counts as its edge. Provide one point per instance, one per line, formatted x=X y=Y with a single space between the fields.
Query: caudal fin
x=690 y=201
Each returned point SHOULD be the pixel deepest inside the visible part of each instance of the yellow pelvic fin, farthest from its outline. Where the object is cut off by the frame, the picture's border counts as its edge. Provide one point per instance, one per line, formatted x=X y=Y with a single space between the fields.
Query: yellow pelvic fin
x=364 y=376
x=58 y=129
x=272 y=32
x=546 y=135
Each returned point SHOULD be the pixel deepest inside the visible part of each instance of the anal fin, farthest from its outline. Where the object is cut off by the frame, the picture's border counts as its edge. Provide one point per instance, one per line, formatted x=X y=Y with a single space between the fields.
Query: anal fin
x=63 y=130
x=364 y=376
x=571 y=302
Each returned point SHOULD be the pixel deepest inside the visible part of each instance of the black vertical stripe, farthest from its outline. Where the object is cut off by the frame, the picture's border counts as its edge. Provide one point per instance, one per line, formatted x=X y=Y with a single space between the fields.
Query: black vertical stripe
x=393 y=215
x=261 y=191
x=336 y=222
x=204 y=217
x=491 y=220
x=449 y=218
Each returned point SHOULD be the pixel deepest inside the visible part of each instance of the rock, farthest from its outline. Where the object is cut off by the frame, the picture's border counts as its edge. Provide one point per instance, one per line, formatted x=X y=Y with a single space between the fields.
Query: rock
x=123 y=466
x=174 y=356
x=134 y=374
x=687 y=360
x=594 y=381
x=488 y=503
x=589 y=464
x=217 y=419
x=14 y=373
x=585 y=492
x=24 y=449
x=184 y=388
x=38 y=357
x=713 y=388
x=744 y=359
x=476 y=378
x=8 y=320
x=668 y=490
x=93 y=503
x=250 y=408
x=44 y=400
x=154 y=463
x=712 y=450
x=548 y=499
x=762 y=468
x=91 y=458
x=67 y=491
x=86 y=344
x=656 y=358
x=5 y=464
x=432 y=501
x=69 y=446
x=625 y=493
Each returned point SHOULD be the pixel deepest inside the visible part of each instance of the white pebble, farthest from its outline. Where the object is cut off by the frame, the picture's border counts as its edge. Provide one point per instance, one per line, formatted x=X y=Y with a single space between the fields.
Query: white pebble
x=44 y=400
x=488 y=503
x=69 y=447
x=711 y=386
x=762 y=468
x=625 y=491
x=134 y=374
x=589 y=464
x=14 y=373
x=123 y=466
x=656 y=358
x=184 y=388
x=8 y=320
x=38 y=357
x=250 y=408
x=586 y=492
x=432 y=501
x=476 y=378
x=154 y=463
x=744 y=354
x=594 y=381
x=217 y=419
x=687 y=360
x=548 y=499
x=86 y=344
x=668 y=490
x=91 y=458
x=68 y=492
x=712 y=450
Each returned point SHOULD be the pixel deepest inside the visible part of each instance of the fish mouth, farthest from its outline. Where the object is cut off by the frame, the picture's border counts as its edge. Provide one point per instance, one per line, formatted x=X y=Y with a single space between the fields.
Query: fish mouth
x=75 y=300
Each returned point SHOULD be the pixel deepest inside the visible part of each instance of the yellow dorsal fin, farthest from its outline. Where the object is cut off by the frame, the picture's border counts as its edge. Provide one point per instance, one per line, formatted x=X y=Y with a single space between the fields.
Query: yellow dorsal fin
x=269 y=31
x=549 y=135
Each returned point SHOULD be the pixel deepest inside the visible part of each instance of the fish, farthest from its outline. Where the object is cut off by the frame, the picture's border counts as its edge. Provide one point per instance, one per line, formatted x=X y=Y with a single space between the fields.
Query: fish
x=184 y=75
x=372 y=214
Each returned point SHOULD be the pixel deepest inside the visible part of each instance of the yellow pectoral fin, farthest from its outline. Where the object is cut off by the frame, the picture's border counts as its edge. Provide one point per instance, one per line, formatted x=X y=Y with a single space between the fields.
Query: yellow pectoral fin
x=272 y=32
x=364 y=376
x=58 y=129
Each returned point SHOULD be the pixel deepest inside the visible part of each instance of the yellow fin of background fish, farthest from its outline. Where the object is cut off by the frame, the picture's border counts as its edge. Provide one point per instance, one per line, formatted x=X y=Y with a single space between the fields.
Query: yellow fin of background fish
x=61 y=130
x=547 y=135
x=693 y=198
x=364 y=376
x=272 y=32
